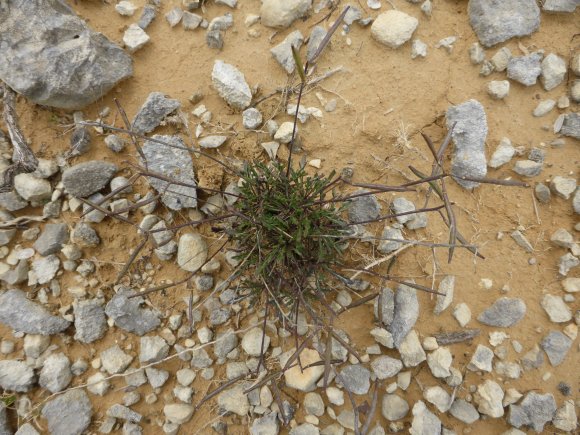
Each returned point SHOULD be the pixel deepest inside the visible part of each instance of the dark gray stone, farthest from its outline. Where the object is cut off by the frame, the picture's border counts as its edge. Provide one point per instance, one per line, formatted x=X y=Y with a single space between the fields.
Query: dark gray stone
x=11 y=201
x=69 y=414
x=469 y=125
x=176 y=164
x=495 y=21
x=525 y=69
x=147 y=16
x=53 y=58
x=16 y=376
x=556 y=345
x=85 y=236
x=225 y=342
x=156 y=107
x=87 y=178
x=21 y=314
x=90 y=320
x=406 y=313
x=356 y=379
x=128 y=315
x=504 y=312
x=535 y=410
x=363 y=208
x=52 y=238
x=571 y=125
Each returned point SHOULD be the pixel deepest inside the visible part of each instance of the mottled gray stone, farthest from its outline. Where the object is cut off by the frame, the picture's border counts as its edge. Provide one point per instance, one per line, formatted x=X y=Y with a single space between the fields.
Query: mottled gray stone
x=53 y=58
x=556 y=345
x=406 y=313
x=21 y=314
x=504 y=312
x=469 y=125
x=525 y=69
x=156 y=107
x=86 y=178
x=282 y=52
x=464 y=411
x=68 y=414
x=535 y=410
x=363 y=208
x=90 y=320
x=560 y=6
x=176 y=164
x=355 y=378
x=495 y=21
x=16 y=376
x=231 y=85
x=52 y=238
x=127 y=314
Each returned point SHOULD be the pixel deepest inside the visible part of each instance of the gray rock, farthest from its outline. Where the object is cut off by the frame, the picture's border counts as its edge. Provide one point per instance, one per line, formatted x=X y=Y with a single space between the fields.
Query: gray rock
x=52 y=238
x=535 y=410
x=498 y=21
x=503 y=313
x=157 y=378
x=418 y=49
x=114 y=360
x=234 y=400
x=21 y=314
x=313 y=404
x=406 y=313
x=192 y=252
x=412 y=353
x=25 y=429
x=464 y=411
x=476 y=53
x=135 y=38
x=571 y=125
x=212 y=142
x=90 y=320
x=6 y=236
x=178 y=413
x=528 y=168
x=500 y=59
x=424 y=421
x=251 y=118
x=387 y=246
x=200 y=359
x=439 y=397
x=553 y=71
x=127 y=314
x=525 y=69
x=69 y=414
x=556 y=345
x=498 y=89
x=439 y=362
x=316 y=36
x=85 y=236
x=151 y=114
x=566 y=263
x=214 y=36
x=153 y=349
x=266 y=425
x=556 y=309
x=174 y=162
x=542 y=193
x=147 y=16
x=402 y=205
x=191 y=21
x=560 y=6
x=489 y=397
x=446 y=287
x=533 y=359
x=562 y=186
x=56 y=374
x=565 y=418
x=385 y=367
x=231 y=85
x=53 y=58
x=469 y=132
x=522 y=241
x=224 y=343
x=86 y=178
x=4 y=424
x=282 y=52
x=355 y=378
x=31 y=188
x=394 y=407
x=124 y=413
x=16 y=376
x=481 y=359
x=363 y=208
x=576 y=202
x=304 y=428
x=282 y=13
x=255 y=342
x=543 y=108
x=393 y=28
x=17 y=275
x=43 y=270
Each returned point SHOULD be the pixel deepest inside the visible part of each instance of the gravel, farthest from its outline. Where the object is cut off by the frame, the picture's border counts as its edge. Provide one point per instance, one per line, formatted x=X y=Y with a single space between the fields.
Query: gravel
x=556 y=345
x=127 y=314
x=153 y=111
x=504 y=313
x=231 y=84
x=86 y=178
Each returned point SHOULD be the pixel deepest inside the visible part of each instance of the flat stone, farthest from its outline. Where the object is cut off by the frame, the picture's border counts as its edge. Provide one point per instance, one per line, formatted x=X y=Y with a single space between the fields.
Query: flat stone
x=556 y=345
x=469 y=124
x=282 y=13
x=393 y=28
x=385 y=367
x=174 y=162
x=231 y=84
x=128 y=315
x=355 y=378
x=54 y=59
x=68 y=414
x=525 y=69
x=90 y=320
x=424 y=421
x=153 y=111
x=394 y=407
x=464 y=411
x=86 y=178
x=489 y=397
x=556 y=309
x=114 y=360
x=496 y=22
x=21 y=314
x=56 y=374
x=282 y=52
x=52 y=238
x=535 y=410
x=16 y=376
x=234 y=400
x=504 y=313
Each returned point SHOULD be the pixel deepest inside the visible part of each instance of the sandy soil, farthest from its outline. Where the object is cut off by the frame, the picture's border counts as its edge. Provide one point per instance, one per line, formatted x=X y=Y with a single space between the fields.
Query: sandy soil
x=383 y=95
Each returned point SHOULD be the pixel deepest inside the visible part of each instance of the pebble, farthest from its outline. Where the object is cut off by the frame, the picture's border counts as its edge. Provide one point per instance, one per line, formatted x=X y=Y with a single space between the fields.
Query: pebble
x=33 y=189
x=498 y=89
x=525 y=69
x=114 y=360
x=282 y=52
x=153 y=111
x=125 y=8
x=462 y=314
x=234 y=400
x=446 y=287
x=192 y=252
x=251 y=118
x=482 y=359
x=556 y=345
x=412 y=354
x=522 y=241
x=191 y=21
x=542 y=193
x=563 y=187
x=556 y=309
x=69 y=413
x=282 y=13
x=439 y=362
x=565 y=418
x=178 y=413
x=418 y=49
x=528 y=168
x=501 y=59
x=385 y=367
x=464 y=411
x=504 y=313
x=255 y=342
x=544 y=107
x=97 y=384
x=439 y=397
x=135 y=38
x=355 y=378
x=424 y=421
x=489 y=397
x=231 y=84
x=571 y=285
x=394 y=407
x=554 y=70
x=129 y=316
x=363 y=208
x=86 y=178
x=212 y=142
x=535 y=410
x=284 y=133
x=174 y=16
x=147 y=16
x=393 y=28
x=304 y=380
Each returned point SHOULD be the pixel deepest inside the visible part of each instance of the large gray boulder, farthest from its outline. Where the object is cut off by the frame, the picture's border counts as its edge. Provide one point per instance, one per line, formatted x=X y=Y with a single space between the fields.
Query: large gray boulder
x=53 y=58
x=496 y=21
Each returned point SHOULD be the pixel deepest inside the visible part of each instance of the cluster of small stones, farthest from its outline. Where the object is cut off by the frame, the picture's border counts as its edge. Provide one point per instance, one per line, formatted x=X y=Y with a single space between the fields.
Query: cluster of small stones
x=35 y=357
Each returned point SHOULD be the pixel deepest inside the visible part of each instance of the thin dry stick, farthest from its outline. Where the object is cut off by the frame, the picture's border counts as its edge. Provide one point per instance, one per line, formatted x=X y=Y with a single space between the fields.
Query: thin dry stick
x=381 y=260
x=23 y=159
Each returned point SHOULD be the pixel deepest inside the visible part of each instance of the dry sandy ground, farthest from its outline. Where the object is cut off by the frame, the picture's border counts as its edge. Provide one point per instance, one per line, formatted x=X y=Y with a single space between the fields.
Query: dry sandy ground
x=382 y=96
